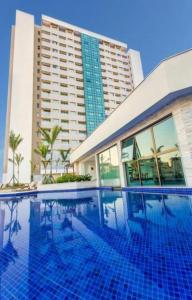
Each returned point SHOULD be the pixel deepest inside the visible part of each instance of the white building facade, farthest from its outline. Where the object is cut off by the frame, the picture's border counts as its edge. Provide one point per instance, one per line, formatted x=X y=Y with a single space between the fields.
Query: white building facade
x=63 y=75
x=147 y=140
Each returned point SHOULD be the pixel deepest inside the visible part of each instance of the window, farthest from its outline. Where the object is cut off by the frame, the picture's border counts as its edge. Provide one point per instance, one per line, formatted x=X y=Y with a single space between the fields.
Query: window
x=165 y=135
x=171 y=170
x=151 y=157
x=144 y=148
x=109 y=168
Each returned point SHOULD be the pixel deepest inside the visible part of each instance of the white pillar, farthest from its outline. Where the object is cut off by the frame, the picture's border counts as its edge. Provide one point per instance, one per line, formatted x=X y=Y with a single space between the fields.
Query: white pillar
x=97 y=170
x=121 y=169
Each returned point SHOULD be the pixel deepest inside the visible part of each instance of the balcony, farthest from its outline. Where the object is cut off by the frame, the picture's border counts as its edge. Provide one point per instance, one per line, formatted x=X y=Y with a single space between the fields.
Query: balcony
x=45 y=114
x=46 y=124
x=45 y=68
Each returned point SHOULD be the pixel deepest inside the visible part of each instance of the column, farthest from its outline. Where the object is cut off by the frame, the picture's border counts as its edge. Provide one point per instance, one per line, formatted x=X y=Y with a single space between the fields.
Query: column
x=121 y=169
x=97 y=170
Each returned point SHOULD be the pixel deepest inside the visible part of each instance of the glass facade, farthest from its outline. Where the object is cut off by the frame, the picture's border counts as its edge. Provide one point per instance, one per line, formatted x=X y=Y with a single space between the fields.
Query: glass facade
x=109 y=167
x=93 y=85
x=151 y=157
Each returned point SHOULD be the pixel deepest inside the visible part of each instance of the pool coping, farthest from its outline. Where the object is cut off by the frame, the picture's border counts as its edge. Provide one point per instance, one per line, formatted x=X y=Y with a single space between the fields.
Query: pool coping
x=165 y=190
x=35 y=192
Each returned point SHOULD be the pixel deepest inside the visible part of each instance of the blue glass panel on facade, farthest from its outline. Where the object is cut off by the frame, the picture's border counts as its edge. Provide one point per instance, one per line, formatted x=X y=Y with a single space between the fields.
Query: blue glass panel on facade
x=93 y=87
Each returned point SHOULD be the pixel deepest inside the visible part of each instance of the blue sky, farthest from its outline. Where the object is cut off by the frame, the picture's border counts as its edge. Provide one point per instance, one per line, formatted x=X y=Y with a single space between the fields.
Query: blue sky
x=158 y=28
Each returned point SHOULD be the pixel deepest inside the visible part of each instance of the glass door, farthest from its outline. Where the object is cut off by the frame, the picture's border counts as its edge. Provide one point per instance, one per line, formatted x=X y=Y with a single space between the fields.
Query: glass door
x=132 y=173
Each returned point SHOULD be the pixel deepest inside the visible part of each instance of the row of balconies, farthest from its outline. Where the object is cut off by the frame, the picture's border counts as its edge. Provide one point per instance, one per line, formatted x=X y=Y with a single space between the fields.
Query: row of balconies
x=51 y=46
x=59 y=33
x=106 y=75
x=108 y=98
x=123 y=82
x=116 y=51
x=76 y=98
x=51 y=123
x=59 y=68
x=63 y=84
x=76 y=64
x=117 y=63
x=121 y=74
x=78 y=78
x=61 y=54
x=60 y=89
x=69 y=61
x=60 y=106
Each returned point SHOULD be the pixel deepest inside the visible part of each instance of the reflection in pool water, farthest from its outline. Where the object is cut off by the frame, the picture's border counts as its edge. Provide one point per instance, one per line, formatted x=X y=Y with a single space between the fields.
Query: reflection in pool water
x=96 y=245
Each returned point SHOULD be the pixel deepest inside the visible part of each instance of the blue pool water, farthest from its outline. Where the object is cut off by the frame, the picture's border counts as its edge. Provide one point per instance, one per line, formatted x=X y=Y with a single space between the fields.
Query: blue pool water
x=96 y=245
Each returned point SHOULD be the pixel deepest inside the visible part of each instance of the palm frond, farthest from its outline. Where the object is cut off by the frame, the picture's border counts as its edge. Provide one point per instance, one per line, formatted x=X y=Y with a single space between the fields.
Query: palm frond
x=18 y=159
x=14 y=141
x=46 y=135
x=42 y=150
x=64 y=154
x=54 y=133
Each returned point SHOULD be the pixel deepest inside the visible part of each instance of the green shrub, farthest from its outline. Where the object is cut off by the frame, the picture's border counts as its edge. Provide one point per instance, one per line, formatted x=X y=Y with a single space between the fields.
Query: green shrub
x=72 y=178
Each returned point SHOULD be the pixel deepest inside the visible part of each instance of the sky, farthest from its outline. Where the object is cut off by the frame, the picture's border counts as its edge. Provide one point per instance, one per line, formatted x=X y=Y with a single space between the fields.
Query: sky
x=157 y=28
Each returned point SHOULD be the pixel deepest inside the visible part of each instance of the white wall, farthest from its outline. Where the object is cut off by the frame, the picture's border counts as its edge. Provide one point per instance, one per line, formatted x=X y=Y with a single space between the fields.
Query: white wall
x=21 y=91
x=182 y=114
x=136 y=67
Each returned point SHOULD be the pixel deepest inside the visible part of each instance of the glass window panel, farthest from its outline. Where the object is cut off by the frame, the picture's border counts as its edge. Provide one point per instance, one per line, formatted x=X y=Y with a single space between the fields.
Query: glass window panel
x=170 y=167
x=127 y=149
x=165 y=135
x=109 y=168
x=148 y=171
x=143 y=143
x=132 y=173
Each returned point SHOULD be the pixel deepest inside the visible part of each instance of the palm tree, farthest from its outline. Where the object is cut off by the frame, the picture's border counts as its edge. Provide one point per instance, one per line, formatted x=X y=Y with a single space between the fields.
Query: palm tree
x=18 y=160
x=14 y=142
x=33 y=168
x=57 y=163
x=43 y=151
x=50 y=138
x=64 y=155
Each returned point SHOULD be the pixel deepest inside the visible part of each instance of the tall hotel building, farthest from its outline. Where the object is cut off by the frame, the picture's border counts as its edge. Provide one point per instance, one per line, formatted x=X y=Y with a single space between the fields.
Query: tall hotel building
x=63 y=75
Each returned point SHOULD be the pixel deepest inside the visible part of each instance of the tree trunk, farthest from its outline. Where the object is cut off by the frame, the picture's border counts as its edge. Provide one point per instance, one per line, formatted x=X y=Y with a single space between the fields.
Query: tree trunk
x=13 y=168
x=18 y=174
x=51 y=161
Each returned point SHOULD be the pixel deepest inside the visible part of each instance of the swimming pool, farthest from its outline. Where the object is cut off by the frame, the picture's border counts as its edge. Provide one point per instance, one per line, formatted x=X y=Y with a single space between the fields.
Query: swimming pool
x=96 y=245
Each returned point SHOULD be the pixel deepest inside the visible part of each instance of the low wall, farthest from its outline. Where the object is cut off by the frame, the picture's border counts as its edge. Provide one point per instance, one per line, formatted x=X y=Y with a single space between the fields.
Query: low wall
x=66 y=186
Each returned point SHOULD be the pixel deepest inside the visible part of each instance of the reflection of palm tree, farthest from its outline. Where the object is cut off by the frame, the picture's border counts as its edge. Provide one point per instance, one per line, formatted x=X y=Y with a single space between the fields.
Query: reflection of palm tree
x=166 y=211
x=48 y=216
x=106 y=211
x=66 y=224
x=9 y=253
x=16 y=225
x=13 y=225
x=157 y=150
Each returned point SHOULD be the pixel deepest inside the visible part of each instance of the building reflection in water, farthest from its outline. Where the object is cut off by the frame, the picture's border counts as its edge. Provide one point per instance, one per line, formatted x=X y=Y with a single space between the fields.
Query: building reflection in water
x=2 y=220
x=52 y=237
